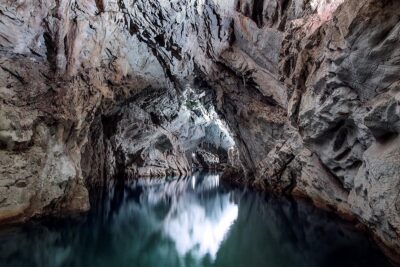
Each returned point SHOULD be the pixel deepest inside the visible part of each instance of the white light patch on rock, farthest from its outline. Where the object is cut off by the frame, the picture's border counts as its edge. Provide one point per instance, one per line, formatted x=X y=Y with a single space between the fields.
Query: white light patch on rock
x=325 y=8
x=226 y=4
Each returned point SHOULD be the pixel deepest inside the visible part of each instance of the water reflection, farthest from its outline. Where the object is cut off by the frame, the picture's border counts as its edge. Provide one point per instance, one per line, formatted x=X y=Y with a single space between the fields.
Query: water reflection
x=196 y=224
x=200 y=229
x=194 y=221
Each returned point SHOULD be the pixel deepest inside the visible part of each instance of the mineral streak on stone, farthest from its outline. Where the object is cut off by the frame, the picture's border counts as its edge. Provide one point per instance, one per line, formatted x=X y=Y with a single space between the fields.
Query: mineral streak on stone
x=301 y=96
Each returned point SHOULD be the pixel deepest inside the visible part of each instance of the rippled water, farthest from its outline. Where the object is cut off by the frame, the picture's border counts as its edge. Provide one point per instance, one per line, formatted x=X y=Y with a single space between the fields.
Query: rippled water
x=194 y=221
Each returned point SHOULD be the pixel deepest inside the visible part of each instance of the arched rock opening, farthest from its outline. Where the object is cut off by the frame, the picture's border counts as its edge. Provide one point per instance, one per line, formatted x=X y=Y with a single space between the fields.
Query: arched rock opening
x=158 y=132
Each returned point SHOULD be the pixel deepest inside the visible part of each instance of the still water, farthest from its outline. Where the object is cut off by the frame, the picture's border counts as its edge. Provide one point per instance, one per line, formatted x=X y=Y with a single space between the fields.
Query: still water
x=195 y=221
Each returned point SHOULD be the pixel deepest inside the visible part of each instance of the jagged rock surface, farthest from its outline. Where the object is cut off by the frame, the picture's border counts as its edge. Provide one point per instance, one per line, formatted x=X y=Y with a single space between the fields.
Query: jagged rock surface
x=206 y=160
x=308 y=89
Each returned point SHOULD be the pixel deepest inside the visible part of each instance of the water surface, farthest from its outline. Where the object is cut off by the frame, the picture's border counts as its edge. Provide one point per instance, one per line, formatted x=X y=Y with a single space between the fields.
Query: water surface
x=195 y=221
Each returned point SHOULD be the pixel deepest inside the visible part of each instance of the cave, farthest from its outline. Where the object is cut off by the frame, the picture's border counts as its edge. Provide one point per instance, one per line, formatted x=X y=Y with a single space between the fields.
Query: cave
x=199 y=133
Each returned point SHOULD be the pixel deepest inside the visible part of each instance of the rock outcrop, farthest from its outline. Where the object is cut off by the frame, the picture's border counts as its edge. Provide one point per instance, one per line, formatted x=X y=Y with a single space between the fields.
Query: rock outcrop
x=307 y=91
x=206 y=160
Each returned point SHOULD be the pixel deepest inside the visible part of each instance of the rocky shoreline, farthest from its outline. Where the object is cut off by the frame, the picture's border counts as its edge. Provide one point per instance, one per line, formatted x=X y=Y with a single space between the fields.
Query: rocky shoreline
x=234 y=177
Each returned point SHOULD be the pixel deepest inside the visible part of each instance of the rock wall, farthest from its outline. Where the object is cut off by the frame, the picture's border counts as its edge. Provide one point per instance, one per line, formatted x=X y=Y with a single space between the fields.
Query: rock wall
x=309 y=90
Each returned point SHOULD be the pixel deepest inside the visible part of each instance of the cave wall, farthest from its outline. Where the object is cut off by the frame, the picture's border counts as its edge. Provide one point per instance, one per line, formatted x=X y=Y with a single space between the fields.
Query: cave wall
x=309 y=90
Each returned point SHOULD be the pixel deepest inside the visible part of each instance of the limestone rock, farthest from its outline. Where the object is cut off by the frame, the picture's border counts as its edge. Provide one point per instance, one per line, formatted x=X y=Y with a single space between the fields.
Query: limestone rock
x=301 y=96
x=206 y=160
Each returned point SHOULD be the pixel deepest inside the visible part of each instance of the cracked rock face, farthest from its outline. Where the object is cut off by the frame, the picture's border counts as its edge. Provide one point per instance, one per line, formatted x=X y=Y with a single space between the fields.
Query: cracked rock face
x=307 y=93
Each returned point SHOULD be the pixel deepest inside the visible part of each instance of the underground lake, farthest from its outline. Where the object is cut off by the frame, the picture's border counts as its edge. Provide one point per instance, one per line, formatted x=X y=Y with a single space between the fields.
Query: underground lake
x=192 y=221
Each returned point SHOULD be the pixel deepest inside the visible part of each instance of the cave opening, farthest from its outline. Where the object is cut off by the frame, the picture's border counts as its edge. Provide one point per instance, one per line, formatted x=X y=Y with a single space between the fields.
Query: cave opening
x=143 y=114
x=159 y=133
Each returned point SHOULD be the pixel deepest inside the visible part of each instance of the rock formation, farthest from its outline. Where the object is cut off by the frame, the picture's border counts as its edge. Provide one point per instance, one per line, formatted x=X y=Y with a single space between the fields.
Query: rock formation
x=95 y=90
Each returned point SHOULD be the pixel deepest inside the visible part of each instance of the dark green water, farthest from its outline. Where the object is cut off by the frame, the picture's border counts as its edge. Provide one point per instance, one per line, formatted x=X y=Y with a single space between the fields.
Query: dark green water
x=190 y=222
